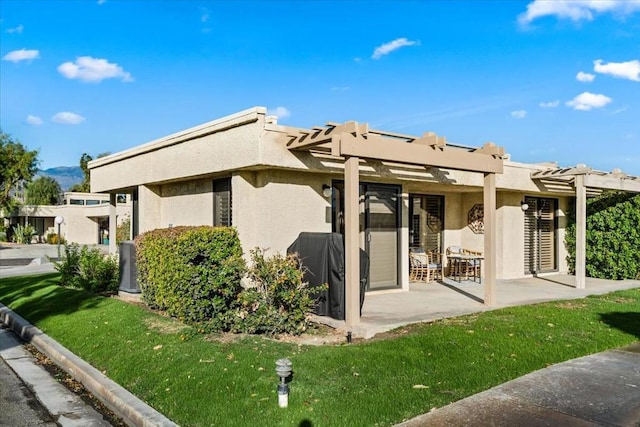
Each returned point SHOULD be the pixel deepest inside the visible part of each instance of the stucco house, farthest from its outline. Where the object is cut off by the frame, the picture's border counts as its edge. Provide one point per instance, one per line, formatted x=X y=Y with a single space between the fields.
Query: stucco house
x=386 y=192
x=86 y=217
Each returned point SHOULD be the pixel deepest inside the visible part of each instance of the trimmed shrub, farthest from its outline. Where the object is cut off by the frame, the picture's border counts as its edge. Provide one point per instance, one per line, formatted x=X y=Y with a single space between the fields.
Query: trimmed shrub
x=192 y=273
x=52 y=239
x=88 y=269
x=280 y=301
x=613 y=236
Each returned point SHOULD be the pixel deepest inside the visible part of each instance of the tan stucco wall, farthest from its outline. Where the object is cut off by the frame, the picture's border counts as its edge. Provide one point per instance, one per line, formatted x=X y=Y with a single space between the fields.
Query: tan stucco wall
x=224 y=144
x=80 y=222
x=270 y=208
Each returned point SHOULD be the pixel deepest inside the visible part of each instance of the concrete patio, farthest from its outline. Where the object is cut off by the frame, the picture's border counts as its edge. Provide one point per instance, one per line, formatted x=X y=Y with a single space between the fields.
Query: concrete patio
x=426 y=302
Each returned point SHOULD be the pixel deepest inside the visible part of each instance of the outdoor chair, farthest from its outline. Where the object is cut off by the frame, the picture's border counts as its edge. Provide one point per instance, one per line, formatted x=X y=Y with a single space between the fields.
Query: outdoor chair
x=418 y=265
x=434 y=266
x=460 y=268
x=424 y=267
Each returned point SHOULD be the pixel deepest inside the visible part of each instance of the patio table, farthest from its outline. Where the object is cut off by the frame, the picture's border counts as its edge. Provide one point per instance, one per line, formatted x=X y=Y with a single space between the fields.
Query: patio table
x=459 y=262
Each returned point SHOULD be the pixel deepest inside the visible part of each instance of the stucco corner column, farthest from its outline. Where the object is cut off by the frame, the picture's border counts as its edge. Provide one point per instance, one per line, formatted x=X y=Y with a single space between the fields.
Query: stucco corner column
x=581 y=232
x=352 y=242
x=113 y=248
x=490 y=239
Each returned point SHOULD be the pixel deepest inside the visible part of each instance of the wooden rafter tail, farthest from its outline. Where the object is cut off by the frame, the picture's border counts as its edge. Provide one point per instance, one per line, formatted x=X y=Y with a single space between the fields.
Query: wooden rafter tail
x=432 y=140
x=491 y=149
x=308 y=140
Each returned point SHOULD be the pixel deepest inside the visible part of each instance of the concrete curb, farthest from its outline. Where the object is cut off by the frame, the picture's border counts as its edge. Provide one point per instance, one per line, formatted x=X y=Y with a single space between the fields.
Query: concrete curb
x=124 y=404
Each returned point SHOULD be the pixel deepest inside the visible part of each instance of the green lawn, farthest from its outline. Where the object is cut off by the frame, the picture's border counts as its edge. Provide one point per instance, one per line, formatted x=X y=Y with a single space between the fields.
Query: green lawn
x=201 y=381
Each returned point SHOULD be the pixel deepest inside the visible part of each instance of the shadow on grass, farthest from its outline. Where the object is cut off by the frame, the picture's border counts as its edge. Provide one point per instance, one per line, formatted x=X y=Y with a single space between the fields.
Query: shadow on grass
x=627 y=322
x=38 y=297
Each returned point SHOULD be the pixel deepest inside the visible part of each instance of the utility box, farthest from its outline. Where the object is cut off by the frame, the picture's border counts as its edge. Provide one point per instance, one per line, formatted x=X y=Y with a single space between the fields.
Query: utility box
x=128 y=270
x=322 y=257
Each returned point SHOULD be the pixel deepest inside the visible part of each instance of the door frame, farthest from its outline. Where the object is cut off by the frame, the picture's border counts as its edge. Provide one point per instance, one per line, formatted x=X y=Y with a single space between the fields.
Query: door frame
x=338 y=215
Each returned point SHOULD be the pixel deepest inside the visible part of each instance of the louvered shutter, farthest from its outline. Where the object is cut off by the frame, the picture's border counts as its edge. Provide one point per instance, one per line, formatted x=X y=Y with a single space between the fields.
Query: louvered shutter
x=222 y=202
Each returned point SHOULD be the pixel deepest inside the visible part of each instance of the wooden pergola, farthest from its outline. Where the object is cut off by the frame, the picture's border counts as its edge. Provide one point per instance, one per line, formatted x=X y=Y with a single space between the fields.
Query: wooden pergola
x=584 y=179
x=352 y=141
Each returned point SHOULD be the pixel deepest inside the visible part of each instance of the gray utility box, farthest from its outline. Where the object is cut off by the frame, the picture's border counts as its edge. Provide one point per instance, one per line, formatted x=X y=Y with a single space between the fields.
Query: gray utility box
x=128 y=270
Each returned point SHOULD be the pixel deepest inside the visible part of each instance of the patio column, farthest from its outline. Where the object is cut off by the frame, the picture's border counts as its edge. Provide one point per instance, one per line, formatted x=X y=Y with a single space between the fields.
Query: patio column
x=581 y=232
x=352 y=242
x=490 y=239
x=112 y=223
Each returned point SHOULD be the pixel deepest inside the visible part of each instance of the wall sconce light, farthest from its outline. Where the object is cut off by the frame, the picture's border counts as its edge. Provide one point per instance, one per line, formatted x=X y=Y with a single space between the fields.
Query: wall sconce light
x=524 y=206
x=326 y=190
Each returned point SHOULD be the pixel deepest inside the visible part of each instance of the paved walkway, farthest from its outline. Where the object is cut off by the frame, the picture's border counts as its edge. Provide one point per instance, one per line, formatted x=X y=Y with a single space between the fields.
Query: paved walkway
x=598 y=390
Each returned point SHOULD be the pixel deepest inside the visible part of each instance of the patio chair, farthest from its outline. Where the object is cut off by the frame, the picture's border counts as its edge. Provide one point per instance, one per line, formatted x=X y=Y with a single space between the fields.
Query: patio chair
x=434 y=266
x=465 y=267
x=418 y=265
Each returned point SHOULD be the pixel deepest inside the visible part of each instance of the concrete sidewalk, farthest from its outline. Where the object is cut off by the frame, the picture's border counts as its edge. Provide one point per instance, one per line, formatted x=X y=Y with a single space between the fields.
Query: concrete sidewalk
x=598 y=390
x=65 y=408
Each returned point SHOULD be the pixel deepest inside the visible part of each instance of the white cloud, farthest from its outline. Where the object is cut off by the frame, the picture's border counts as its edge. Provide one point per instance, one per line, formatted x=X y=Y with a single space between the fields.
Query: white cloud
x=340 y=88
x=281 y=112
x=389 y=47
x=204 y=15
x=16 y=30
x=587 y=101
x=550 y=104
x=34 y=120
x=519 y=114
x=90 y=69
x=624 y=70
x=67 y=118
x=101 y=2
x=576 y=10
x=585 y=77
x=21 y=55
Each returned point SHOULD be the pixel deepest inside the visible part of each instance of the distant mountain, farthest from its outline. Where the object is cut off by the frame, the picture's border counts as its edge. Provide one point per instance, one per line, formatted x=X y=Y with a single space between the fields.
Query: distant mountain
x=65 y=175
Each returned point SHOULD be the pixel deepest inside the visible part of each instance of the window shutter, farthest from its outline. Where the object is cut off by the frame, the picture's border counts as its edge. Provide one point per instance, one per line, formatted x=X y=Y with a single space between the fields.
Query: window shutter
x=222 y=202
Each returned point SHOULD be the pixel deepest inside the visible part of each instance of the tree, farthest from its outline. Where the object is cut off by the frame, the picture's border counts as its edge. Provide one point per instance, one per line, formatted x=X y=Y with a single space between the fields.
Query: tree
x=16 y=164
x=85 y=186
x=43 y=190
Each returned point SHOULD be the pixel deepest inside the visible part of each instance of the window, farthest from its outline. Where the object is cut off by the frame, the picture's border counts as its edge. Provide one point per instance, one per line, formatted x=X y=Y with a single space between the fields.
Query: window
x=222 y=202
x=93 y=202
x=76 y=202
x=121 y=198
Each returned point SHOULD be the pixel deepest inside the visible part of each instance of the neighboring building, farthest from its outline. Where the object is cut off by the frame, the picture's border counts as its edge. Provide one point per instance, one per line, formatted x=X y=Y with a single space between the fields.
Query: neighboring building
x=385 y=191
x=86 y=217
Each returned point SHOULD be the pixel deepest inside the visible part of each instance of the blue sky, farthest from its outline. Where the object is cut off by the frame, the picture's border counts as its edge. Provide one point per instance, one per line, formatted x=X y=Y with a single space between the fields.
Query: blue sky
x=548 y=80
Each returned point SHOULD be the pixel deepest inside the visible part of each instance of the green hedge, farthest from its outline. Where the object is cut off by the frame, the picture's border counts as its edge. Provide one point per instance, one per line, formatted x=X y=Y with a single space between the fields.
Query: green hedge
x=192 y=273
x=613 y=236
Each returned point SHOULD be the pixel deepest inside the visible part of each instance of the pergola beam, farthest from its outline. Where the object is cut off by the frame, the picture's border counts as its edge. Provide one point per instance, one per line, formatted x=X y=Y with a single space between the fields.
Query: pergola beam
x=381 y=148
x=607 y=182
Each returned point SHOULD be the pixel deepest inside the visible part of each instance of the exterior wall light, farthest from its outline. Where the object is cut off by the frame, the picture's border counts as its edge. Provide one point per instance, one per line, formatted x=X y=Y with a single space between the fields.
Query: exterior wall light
x=524 y=206
x=326 y=190
x=283 y=369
